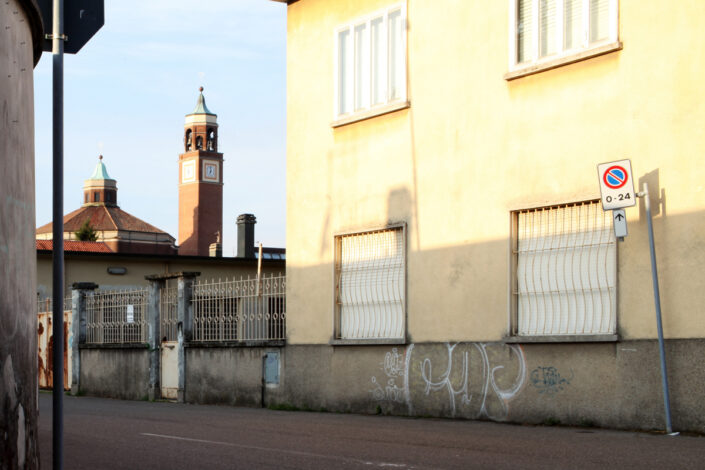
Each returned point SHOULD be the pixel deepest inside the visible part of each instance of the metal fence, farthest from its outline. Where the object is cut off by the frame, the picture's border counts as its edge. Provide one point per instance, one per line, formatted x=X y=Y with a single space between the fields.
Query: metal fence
x=240 y=310
x=168 y=313
x=46 y=305
x=114 y=317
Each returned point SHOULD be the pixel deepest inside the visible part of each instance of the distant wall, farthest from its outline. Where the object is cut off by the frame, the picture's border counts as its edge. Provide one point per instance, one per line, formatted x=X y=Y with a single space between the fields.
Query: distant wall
x=94 y=268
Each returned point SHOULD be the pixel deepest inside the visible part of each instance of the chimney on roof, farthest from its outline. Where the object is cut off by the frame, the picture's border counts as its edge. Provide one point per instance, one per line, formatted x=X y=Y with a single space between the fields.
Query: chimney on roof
x=246 y=235
x=215 y=250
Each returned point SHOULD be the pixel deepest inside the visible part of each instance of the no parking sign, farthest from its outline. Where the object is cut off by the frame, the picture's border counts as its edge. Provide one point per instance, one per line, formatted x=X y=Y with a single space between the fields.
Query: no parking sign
x=616 y=184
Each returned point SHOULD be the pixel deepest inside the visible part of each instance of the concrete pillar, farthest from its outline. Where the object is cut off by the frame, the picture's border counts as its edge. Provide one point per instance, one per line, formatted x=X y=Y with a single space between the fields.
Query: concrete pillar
x=153 y=336
x=185 y=326
x=78 y=325
x=20 y=49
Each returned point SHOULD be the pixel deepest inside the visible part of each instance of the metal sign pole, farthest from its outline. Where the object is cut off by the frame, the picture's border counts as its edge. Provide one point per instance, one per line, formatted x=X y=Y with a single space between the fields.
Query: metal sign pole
x=657 y=302
x=58 y=232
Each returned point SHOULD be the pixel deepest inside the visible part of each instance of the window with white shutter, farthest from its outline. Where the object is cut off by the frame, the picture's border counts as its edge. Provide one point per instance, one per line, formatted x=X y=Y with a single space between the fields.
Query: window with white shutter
x=371 y=63
x=370 y=284
x=565 y=262
x=548 y=31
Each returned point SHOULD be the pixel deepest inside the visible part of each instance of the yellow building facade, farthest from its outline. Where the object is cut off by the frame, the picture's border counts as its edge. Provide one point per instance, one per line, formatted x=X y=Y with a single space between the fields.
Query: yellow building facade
x=444 y=231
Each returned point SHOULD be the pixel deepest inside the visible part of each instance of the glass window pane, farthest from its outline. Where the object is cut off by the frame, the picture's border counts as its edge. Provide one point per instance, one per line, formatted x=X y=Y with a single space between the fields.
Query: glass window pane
x=379 y=60
x=547 y=12
x=397 y=76
x=572 y=24
x=599 y=20
x=344 y=85
x=362 y=67
x=524 y=30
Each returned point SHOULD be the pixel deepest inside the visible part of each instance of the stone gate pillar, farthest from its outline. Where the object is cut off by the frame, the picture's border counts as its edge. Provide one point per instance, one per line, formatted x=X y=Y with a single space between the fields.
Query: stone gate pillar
x=156 y=283
x=78 y=326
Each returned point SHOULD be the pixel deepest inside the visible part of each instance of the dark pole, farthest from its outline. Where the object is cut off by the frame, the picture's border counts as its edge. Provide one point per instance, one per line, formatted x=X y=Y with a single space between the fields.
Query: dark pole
x=657 y=304
x=58 y=233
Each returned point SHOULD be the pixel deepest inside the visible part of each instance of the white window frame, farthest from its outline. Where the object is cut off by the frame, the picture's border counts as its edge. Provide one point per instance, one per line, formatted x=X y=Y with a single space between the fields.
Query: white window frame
x=572 y=248
x=388 y=104
x=583 y=51
x=378 y=313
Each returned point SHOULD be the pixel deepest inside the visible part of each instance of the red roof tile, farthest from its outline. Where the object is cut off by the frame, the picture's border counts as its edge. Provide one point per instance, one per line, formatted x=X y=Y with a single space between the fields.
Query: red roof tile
x=102 y=218
x=75 y=245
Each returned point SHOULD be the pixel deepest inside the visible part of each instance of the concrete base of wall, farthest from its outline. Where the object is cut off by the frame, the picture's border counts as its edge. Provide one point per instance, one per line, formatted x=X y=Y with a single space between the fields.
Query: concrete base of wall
x=614 y=385
x=115 y=372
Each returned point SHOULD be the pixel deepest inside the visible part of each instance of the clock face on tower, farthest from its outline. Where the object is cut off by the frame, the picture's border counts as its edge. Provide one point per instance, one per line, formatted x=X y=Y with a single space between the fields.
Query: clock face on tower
x=210 y=171
x=188 y=171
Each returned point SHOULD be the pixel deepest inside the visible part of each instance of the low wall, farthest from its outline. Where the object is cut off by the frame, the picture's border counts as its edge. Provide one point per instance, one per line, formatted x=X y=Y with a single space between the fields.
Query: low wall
x=221 y=374
x=613 y=385
x=115 y=372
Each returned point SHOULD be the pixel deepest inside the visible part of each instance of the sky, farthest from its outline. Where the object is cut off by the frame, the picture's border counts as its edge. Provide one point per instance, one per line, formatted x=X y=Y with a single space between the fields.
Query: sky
x=126 y=94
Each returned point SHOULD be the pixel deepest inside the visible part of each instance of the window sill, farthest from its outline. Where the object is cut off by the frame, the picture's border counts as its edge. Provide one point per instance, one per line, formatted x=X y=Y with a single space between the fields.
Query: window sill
x=563 y=339
x=367 y=342
x=370 y=113
x=570 y=59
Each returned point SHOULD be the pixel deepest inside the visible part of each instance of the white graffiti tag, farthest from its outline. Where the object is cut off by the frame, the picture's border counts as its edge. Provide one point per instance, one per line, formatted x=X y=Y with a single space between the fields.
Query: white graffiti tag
x=394 y=366
x=455 y=380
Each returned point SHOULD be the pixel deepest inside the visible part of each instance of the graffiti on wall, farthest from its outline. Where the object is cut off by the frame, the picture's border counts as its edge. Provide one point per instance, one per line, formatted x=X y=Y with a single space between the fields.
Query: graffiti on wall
x=548 y=380
x=472 y=380
x=394 y=367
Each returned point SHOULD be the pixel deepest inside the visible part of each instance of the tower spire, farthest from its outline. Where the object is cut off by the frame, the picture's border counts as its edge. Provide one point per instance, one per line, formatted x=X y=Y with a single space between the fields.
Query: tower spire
x=201 y=107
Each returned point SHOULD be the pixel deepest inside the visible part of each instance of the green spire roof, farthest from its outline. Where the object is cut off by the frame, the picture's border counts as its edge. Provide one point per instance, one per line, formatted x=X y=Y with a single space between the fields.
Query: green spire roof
x=201 y=107
x=100 y=172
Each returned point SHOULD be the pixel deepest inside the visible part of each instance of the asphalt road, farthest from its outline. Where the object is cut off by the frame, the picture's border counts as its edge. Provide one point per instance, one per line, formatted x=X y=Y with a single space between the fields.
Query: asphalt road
x=113 y=434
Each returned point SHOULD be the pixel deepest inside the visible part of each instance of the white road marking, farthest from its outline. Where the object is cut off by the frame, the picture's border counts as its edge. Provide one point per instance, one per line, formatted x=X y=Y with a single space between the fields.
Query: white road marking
x=284 y=451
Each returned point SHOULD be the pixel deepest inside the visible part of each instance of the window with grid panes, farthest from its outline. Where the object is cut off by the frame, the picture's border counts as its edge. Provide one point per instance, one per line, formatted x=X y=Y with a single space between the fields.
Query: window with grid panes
x=371 y=62
x=370 y=284
x=565 y=261
x=545 y=30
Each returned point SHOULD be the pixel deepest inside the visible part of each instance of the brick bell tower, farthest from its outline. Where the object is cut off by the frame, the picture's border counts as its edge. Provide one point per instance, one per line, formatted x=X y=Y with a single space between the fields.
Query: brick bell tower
x=200 y=183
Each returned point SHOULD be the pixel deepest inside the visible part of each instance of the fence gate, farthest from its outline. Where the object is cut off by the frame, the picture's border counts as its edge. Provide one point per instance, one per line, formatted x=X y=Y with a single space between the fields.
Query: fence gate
x=169 y=342
x=45 y=343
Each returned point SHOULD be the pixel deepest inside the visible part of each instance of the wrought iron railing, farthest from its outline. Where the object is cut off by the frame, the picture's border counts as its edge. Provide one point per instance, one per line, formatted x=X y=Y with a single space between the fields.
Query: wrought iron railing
x=240 y=310
x=168 y=312
x=46 y=305
x=114 y=317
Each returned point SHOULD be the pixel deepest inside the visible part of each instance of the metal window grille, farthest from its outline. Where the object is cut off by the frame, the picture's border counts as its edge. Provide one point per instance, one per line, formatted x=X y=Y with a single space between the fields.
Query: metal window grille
x=370 y=284
x=565 y=279
x=116 y=316
x=168 y=316
x=240 y=310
